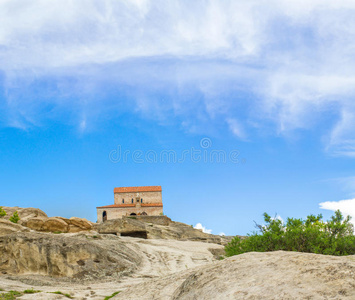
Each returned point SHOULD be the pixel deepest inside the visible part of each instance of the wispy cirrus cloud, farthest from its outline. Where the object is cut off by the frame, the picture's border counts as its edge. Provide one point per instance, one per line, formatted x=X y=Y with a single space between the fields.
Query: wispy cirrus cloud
x=286 y=64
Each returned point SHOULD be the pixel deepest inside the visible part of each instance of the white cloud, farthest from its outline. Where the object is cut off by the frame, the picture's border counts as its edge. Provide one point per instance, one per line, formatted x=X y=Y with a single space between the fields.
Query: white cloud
x=203 y=228
x=288 y=63
x=222 y=234
x=347 y=207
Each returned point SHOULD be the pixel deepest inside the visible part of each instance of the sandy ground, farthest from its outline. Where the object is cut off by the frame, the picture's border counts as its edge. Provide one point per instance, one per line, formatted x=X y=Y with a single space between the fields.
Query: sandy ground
x=160 y=258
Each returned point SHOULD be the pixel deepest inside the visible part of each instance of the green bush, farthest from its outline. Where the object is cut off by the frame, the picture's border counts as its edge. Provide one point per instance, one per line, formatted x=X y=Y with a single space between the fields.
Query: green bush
x=61 y=293
x=313 y=235
x=113 y=295
x=31 y=291
x=11 y=295
x=14 y=218
x=2 y=212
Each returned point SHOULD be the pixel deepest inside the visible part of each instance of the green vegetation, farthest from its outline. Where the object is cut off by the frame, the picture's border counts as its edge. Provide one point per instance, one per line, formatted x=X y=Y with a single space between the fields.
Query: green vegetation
x=113 y=295
x=333 y=237
x=31 y=291
x=11 y=295
x=61 y=293
x=2 y=212
x=57 y=232
x=14 y=218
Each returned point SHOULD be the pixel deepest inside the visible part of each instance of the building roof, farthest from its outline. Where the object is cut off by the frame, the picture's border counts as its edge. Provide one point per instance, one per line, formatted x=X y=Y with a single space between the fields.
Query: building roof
x=132 y=205
x=135 y=189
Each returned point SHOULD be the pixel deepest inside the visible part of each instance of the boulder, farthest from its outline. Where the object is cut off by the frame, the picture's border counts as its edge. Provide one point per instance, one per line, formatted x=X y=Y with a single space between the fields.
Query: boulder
x=7 y=227
x=24 y=213
x=66 y=220
x=124 y=226
x=157 y=220
x=74 y=229
x=81 y=223
x=35 y=223
x=55 y=225
x=35 y=253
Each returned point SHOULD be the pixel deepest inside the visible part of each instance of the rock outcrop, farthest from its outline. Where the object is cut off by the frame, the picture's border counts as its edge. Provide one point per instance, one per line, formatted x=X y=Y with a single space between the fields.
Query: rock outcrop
x=151 y=228
x=65 y=256
x=24 y=213
x=124 y=227
x=271 y=275
x=147 y=227
x=38 y=220
x=7 y=227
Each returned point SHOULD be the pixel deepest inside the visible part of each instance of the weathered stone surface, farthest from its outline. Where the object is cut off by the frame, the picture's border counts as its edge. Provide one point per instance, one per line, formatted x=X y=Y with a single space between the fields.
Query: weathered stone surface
x=81 y=223
x=7 y=227
x=35 y=223
x=37 y=220
x=55 y=225
x=121 y=226
x=74 y=229
x=181 y=231
x=157 y=220
x=270 y=275
x=65 y=256
x=66 y=220
x=24 y=213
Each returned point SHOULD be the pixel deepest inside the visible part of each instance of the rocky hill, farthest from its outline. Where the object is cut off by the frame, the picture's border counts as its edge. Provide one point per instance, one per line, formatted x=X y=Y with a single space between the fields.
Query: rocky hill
x=153 y=258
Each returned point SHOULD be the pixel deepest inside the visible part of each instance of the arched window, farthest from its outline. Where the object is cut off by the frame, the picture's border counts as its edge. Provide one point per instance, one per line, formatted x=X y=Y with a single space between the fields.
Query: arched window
x=122 y=200
x=132 y=200
x=141 y=200
x=104 y=216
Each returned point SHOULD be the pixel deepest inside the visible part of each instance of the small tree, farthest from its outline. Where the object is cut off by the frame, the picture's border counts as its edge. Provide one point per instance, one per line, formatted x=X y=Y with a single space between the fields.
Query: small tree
x=14 y=218
x=2 y=212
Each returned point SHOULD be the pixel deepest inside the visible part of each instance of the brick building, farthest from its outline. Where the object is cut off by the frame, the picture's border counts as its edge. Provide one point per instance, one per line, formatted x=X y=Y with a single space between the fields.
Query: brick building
x=130 y=201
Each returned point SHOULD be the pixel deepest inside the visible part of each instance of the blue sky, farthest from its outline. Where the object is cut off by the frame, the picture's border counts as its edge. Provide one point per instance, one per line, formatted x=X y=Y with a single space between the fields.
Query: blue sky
x=268 y=84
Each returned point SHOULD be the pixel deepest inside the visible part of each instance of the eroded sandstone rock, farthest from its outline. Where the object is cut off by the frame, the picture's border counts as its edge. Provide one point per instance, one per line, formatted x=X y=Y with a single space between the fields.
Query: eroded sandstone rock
x=7 y=227
x=270 y=275
x=35 y=223
x=81 y=223
x=55 y=225
x=65 y=256
x=24 y=213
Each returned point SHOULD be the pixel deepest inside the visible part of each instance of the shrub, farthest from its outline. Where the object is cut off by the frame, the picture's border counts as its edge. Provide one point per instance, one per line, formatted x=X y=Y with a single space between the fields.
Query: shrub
x=14 y=218
x=61 y=293
x=11 y=295
x=113 y=295
x=2 y=212
x=334 y=237
x=31 y=291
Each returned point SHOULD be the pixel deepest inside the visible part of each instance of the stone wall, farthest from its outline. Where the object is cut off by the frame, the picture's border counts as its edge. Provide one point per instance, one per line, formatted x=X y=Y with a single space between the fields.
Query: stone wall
x=148 y=197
